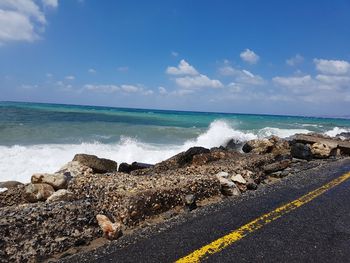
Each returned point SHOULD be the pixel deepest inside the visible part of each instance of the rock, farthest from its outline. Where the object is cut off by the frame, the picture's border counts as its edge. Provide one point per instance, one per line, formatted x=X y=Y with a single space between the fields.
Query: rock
x=190 y=202
x=187 y=156
x=110 y=230
x=238 y=179
x=344 y=135
x=232 y=144
x=38 y=192
x=222 y=174
x=251 y=185
x=228 y=187
x=301 y=151
x=281 y=148
x=10 y=184
x=57 y=181
x=278 y=166
x=74 y=169
x=61 y=195
x=320 y=150
x=128 y=168
x=98 y=165
x=258 y=146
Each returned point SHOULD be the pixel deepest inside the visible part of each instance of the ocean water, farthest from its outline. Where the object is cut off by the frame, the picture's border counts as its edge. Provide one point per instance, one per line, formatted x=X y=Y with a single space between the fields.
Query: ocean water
x=43 y=137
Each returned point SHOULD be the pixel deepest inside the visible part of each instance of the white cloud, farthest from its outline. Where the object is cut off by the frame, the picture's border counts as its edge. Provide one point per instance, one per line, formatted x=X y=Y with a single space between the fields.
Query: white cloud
x=92 y=71
x=51 y=3
x=111 y=88
x=294 y=82
x=130 y=88
x=241 y=76
x=337 y=67
x=174 y=54
x=199 y=81
x=162 y=90
x=293 y=61
x=102 y=88
x=182 y=69
x=249 y=56
x=70 y=77
x=22 y=20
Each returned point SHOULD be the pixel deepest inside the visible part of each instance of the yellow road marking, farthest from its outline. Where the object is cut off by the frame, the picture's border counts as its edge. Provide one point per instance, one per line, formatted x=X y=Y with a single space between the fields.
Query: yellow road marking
x=258 y=223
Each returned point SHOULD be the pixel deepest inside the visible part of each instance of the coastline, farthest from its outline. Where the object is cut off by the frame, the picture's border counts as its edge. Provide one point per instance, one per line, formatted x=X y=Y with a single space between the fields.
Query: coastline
x=87 y=198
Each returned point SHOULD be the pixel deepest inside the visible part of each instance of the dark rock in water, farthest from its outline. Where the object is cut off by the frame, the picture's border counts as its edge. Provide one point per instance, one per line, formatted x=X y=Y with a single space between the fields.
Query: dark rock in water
x=10 y=184
x=301 y=151
x=190 y=202
x=187 y=156
x=233 y=145
x=343 y=135
x=278 y=166
x=98 y=165
x=128 y=168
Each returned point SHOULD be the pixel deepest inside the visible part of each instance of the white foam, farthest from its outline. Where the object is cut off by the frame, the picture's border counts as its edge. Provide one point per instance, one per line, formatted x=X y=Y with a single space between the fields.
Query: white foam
x=336 y=130
x=283 y=133
x=20 y=162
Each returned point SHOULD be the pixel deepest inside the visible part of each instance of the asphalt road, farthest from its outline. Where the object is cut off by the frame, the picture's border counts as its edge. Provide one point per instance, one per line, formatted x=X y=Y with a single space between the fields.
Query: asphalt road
x=319 y=231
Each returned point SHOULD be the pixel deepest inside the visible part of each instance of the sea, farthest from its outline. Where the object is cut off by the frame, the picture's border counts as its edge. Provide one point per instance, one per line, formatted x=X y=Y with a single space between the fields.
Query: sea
x=36 y=137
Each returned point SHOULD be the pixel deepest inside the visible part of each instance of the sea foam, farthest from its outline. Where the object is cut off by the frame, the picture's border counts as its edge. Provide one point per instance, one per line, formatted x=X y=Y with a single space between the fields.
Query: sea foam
x=19 y=162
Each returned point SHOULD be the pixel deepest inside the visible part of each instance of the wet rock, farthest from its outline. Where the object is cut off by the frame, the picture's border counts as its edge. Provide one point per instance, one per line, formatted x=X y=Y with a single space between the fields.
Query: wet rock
x=187 y=156
x=301 y=151
x=258 y=146
x=278 y=166
x=233 y=144
x=320 y=150
x=98 y=165
x=190 y=202
x=38 y=192
x=110 y=230
x=238 y=179
x=57 y=181
x=61 y=195
x=10 y=184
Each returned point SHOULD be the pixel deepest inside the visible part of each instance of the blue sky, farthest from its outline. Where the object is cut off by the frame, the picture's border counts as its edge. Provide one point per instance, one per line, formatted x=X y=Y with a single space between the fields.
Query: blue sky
x=278 y=57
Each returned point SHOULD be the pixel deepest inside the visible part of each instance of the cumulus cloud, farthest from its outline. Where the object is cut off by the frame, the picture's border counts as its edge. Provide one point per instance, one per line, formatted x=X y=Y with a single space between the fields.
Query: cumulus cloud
x=294 y=82
x=22 y=20
x=71 y=77
x=293 y=61
x=162 y=91
x=249 y=56
x=183 y=68
x=336 y=67
x=241 y=76
x=199 y=81
x=50 y=3
x=102 y=88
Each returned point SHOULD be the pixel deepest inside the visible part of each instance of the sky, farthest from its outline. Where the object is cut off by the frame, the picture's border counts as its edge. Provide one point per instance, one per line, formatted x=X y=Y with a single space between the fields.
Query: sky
x=271 y=57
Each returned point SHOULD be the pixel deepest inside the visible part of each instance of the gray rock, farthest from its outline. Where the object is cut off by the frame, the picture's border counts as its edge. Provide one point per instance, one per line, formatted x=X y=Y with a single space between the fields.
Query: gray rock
x=61 y=195
x=38 y=192
x=190 y=202
x=187 y=156
x=278 y=166
x=10 y=184
x=98 y=165
x=128 y=168
x=74 y=169
x=301 y=151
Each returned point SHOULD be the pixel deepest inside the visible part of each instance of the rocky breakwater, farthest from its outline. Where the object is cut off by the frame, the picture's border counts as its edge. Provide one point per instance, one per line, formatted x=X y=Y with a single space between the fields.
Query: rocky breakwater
x=88 y=198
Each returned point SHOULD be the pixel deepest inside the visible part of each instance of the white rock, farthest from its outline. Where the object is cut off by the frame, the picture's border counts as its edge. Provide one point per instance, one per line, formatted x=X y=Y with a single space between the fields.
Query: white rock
x=226 y=182
x=238 y=178
x=3 y=190
x=222 y=174
x=57 y=181
x=74 y=169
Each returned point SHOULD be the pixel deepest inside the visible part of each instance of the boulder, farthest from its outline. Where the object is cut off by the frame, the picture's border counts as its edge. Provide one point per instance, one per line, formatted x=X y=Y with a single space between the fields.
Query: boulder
x=222 y=174
x=110 y=230
x=228 y=188
x=98 y=165
x=57 y=181
x=61 y=195
x=238 y=179
x=258 y=146
x=277 y=166
x=344 y=135
x=73 y=169
x=38 y=192
x=128 y=168
x=301 y=151
x=280 y=148
x=320 y=150
x=187 y=156
x=10 y=184
x=251 y=185
x=232 y=144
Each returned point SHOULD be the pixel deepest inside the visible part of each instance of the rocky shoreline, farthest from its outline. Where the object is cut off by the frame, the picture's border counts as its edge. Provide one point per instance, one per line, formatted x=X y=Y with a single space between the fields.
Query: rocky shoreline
x=91 y=197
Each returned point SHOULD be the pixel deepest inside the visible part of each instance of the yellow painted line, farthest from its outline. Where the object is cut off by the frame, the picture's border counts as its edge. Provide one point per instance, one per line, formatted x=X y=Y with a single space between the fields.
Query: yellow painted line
x=229 y=239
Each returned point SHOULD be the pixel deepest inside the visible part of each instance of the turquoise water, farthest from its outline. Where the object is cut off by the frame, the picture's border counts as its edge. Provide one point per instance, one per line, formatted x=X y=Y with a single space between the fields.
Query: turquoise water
x=42 y=137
